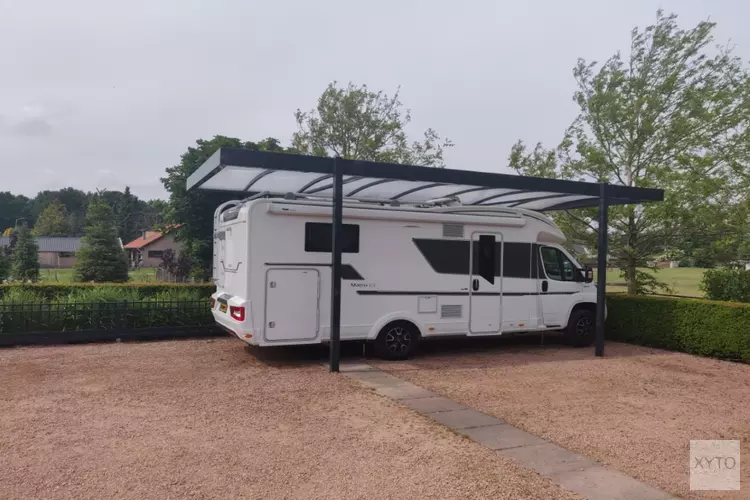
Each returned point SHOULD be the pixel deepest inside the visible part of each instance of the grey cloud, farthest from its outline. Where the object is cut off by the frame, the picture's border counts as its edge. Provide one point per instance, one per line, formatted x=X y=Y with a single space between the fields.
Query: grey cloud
x=32 y=127
x=127 y=87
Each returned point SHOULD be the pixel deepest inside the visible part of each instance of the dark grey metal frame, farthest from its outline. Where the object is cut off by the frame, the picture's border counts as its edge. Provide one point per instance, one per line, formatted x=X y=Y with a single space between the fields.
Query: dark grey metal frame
x=602 y=195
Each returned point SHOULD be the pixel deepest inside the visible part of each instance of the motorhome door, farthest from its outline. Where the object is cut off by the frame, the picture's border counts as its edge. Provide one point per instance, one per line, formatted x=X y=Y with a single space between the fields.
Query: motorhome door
x=485 y=283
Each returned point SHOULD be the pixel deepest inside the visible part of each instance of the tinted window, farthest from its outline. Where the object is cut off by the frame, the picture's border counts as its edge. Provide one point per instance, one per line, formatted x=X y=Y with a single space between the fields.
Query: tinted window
x=551 y=263
x=318 y=237
x=557 y=265
x=155 y=254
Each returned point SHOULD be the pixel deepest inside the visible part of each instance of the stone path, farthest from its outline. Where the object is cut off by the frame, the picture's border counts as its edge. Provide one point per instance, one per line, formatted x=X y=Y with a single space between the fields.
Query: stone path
x=572 y=471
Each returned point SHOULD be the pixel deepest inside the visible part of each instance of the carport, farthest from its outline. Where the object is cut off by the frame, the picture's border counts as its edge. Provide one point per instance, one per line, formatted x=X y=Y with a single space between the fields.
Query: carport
x=280 y=174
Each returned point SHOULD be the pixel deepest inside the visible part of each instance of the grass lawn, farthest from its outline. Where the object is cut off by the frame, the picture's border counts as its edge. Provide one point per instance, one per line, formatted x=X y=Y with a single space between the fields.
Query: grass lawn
x=66 y=275
x=684 y=280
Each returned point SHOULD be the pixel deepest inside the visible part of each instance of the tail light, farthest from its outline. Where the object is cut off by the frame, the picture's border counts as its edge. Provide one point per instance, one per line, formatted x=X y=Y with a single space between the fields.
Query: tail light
x=213 y=302
x=237 y=313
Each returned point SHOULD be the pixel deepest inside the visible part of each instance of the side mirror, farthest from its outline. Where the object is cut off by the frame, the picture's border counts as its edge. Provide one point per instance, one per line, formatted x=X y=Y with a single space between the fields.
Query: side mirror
x=588 y=274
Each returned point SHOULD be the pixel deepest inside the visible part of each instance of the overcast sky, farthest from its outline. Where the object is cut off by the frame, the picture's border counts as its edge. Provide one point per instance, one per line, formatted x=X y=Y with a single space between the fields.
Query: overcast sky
x=103 y=94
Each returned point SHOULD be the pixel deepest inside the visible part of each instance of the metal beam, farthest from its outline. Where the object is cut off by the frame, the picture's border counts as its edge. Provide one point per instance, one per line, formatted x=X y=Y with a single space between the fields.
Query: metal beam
x=369 y=185
x=314 y=181
x=601 y=268
x=516 y=203
x=418 y=188
x=257 y=178
x=338 y=215
x=501 y=195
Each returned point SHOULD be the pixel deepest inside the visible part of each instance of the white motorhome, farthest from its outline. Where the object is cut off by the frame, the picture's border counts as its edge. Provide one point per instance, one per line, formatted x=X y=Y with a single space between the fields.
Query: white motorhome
x=409 y=272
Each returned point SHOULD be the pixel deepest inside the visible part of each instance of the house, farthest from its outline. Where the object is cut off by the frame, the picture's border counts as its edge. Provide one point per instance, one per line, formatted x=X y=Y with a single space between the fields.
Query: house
x=147 y=249
x=54 y=251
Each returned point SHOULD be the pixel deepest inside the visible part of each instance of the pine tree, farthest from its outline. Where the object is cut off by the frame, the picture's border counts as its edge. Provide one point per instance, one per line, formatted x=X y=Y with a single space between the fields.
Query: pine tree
x=4 y=265
x=25 y=257
x=101 y=258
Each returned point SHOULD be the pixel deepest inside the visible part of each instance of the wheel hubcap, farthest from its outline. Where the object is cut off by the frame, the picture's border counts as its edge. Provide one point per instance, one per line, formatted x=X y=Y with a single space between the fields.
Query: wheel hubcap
x=398 y=340
x=584 y=327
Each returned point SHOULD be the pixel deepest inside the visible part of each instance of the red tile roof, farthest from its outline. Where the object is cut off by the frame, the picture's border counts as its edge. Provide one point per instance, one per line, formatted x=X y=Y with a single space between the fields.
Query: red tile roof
x=148 y=238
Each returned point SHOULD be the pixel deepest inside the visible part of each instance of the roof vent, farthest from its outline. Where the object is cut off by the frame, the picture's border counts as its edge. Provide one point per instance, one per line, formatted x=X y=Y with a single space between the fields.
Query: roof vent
x=453 y=230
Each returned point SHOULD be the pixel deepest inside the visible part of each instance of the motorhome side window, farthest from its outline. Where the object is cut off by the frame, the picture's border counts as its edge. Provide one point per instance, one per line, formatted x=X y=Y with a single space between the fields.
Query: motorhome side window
x=557 y=265
x=318 y=237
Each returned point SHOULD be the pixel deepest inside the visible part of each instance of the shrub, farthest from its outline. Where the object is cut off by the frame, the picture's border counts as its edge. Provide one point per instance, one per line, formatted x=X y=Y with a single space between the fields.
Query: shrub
x=55 y=291
x=695 y=326
x=37 y=308
x=726 y=284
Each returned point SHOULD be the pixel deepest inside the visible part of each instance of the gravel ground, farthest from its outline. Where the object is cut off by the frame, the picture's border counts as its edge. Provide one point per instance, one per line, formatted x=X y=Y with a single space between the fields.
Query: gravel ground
x=636 y=409
x=207 y=419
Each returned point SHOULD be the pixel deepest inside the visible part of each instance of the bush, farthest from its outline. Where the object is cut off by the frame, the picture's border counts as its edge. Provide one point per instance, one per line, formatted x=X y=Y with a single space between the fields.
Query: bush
x=695 y=326
x=55 y=291
x=726 y=284
x=45 y=308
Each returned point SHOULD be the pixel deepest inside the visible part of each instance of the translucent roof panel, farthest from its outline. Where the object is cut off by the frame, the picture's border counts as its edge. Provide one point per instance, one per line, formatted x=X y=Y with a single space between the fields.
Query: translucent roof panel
x=246 y=171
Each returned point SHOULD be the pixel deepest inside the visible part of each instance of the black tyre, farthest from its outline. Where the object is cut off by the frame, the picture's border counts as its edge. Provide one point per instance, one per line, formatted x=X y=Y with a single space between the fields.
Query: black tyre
x=397 y=340
x=581 y=329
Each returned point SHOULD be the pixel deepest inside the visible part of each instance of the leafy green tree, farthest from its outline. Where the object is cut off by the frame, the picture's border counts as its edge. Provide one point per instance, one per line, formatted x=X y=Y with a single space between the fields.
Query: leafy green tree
x=195 y=209
x=12 y=208
x=25 y=257
x=674 y=114
x=53 y=221
x=356 y=123
x=101 y=258
x=74 y=200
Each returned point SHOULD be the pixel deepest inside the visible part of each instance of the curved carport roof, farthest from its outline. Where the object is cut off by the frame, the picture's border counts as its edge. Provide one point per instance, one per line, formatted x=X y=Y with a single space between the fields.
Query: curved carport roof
x=247 y=171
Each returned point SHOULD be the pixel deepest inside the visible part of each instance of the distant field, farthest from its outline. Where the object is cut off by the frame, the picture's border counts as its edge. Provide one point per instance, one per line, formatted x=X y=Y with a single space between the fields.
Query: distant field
x=684 y=280
x=66 y=275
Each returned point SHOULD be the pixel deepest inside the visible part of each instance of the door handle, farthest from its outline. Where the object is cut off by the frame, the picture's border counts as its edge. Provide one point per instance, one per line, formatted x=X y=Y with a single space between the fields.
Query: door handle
x=475 y=284
x=545 y=285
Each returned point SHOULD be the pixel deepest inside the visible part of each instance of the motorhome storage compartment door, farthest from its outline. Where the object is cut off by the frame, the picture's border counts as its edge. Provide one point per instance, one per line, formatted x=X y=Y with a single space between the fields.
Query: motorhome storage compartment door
x=292 y=297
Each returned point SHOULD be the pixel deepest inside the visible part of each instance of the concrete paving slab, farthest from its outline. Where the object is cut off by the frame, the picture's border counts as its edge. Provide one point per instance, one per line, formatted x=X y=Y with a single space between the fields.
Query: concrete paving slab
x=599 y=483
x=376 y=379
x=405 y=391
x=548 y=458
x=464 y=419
x=431 y=405
x=356 y=367
x=499 y=437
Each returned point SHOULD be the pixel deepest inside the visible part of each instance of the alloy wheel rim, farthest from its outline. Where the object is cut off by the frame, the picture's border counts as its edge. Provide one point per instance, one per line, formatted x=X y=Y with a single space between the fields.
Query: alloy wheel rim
x=398 y=340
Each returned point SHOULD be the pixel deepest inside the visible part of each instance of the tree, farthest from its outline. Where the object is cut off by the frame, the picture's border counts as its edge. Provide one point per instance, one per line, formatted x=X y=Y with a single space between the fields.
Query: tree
x=4 y=263
x=25 y=257
x=12 y=208
x=53 y=221
x=673 y=115
x=178 y=266
x=356 y=123
x=101 y=258
x=195 y=209
x=74 y=200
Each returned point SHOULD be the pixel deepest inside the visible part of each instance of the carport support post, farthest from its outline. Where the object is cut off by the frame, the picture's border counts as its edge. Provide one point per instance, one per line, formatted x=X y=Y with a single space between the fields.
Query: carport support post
x=601 y=269
x=338 y=214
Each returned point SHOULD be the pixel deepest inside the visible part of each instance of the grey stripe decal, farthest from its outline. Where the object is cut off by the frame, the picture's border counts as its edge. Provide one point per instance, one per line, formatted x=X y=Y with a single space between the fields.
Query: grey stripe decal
x=492 y=294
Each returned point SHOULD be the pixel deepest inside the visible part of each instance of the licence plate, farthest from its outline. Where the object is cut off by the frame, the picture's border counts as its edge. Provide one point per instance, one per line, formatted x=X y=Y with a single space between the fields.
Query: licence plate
x=223 y=308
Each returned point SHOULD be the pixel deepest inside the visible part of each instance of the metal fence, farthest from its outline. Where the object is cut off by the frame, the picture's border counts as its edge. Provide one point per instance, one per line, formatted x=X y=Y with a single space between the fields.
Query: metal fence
x=102 y=320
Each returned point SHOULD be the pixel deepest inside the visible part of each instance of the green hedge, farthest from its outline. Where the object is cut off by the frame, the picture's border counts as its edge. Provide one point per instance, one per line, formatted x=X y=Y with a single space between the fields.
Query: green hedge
x=695 y=326
x=54 y=291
